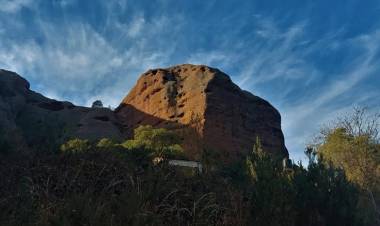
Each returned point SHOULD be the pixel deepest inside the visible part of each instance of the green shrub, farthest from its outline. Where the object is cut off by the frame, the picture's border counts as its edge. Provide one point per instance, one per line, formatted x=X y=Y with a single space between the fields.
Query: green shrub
x=76 y=145
x=161 y=142
x=105 y=143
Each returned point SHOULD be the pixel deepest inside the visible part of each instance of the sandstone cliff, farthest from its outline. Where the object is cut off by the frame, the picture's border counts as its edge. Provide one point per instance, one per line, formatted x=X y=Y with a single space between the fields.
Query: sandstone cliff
x=206 y=108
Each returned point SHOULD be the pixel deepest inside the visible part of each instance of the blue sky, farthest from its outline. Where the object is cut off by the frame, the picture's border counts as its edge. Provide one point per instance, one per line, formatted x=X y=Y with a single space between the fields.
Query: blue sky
x=313 y=60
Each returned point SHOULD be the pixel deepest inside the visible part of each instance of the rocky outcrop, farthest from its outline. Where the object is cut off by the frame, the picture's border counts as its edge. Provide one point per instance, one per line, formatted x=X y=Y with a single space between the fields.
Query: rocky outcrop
x=200 y=103
x=29 y=119
x=206 y=108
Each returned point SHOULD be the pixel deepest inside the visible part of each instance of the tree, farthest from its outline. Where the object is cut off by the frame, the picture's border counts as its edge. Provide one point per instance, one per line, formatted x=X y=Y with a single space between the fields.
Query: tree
x=272 y=193
x=324 y=196
x=160 y=141
x=352 y=144
x=356 y=155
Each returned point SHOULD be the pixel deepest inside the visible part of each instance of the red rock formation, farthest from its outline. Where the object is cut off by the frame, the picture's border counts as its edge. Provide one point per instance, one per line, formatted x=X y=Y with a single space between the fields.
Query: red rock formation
x=206 y=107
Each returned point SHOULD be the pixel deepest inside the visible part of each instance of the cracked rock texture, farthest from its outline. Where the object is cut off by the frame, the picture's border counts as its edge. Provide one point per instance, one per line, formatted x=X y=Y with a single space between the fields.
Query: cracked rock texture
x=204 y=106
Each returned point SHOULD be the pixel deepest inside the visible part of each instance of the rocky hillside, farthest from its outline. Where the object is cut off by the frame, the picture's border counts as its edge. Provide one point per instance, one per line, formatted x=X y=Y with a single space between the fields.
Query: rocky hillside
x=29 y=119
x=201 y=103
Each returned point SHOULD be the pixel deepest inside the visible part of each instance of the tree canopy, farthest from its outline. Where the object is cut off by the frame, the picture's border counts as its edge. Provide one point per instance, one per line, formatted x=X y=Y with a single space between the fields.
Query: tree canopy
x=159 y=140
x=352 y=144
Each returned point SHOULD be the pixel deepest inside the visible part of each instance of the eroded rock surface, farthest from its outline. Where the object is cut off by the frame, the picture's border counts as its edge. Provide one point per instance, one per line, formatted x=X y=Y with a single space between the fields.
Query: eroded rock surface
x=206 y=107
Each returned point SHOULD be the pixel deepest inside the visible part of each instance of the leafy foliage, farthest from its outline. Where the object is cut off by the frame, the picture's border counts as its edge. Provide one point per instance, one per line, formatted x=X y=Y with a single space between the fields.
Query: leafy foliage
x=357 y=155
x=352 y=144
x=76 y=145
x=105 y=143
x=160 y=141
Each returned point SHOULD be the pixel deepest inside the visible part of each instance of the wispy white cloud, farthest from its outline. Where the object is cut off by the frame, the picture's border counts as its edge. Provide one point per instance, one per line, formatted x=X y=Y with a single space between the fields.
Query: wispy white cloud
x=82 y=67
x=65 y=3
x=276 y=57
x=217 y=58
x=136 y=26
x=322 y=105
x=12 y=6
x=80 y=64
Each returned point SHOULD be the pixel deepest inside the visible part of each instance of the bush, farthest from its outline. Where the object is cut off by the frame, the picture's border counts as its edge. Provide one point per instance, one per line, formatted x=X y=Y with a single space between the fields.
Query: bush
x=161 y=142
x=75 y=145
x=105 y=143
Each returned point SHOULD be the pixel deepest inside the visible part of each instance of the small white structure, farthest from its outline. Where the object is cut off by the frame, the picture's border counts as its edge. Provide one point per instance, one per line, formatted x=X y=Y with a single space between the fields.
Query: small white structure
x=284 y=163
x=190 y=164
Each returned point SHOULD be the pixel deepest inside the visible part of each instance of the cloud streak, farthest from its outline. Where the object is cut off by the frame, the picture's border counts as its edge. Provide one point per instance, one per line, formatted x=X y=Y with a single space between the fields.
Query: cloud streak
x=78 y=63
x=322 y=106
x=13 y=6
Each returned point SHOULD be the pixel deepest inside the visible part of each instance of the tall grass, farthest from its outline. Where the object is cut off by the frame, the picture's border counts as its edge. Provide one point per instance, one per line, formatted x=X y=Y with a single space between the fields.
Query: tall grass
x=107 y=188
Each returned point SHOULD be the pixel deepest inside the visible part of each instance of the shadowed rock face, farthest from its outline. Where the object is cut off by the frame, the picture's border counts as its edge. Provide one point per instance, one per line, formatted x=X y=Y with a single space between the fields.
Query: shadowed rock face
x=29 y=119
x=220 y=115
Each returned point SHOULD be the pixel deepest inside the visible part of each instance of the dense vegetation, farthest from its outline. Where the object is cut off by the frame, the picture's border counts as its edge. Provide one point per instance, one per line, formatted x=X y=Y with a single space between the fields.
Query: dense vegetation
x=105 y=183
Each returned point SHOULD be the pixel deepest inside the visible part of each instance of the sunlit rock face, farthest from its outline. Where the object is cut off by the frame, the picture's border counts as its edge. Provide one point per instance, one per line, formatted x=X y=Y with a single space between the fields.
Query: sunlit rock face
x=204 y=106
